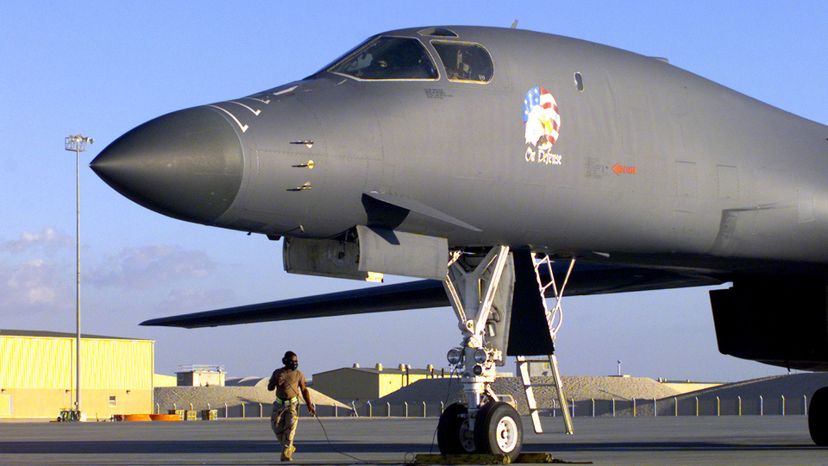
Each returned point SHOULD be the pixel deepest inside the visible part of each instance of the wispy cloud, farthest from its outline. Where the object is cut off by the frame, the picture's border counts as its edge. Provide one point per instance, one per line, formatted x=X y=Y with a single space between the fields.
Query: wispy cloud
x=194 y=300
x=149 y=266
x=46 y=239
x=34 y=285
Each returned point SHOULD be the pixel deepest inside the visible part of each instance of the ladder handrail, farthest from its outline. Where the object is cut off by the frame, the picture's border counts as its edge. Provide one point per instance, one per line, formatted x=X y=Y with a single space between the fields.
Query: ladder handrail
x=554 y=320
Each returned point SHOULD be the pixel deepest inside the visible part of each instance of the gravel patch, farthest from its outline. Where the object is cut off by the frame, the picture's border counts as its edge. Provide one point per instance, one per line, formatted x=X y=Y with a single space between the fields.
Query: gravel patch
x=793 y=385
x=576 y=388
x=757 y=396
x=601 y=395
x=249 y=391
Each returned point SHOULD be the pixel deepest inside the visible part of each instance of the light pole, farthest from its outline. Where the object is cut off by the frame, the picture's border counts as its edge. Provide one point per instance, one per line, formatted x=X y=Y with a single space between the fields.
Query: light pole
x=77 y=144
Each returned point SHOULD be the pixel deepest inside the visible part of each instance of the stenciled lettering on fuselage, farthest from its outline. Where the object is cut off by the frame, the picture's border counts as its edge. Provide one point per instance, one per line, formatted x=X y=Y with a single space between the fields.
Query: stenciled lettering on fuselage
x=542 y=125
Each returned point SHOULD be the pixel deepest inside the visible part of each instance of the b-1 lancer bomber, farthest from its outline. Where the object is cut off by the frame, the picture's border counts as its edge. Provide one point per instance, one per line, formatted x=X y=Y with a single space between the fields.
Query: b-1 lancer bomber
x=504 y=167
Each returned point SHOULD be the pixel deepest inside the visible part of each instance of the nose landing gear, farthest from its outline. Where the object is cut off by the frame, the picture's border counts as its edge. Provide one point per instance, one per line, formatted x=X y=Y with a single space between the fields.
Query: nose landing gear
x=480 y=290
x=497 y=430
x=453 y=434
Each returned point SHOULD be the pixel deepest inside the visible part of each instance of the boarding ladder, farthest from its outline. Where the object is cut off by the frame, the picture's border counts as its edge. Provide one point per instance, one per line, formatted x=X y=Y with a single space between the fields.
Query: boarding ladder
x=554 y=318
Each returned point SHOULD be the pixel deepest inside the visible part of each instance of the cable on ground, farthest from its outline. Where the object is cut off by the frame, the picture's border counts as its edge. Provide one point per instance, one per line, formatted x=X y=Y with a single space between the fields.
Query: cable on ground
x=328 y=439
x=406 y=459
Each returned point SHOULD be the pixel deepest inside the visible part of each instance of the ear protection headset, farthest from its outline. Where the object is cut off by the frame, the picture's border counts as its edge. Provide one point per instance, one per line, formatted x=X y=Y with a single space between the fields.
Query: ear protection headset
x=287 y=356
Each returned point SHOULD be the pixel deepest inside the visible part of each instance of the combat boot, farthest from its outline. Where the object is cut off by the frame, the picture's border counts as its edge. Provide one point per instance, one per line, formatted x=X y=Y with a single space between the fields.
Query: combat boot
x=287 y=453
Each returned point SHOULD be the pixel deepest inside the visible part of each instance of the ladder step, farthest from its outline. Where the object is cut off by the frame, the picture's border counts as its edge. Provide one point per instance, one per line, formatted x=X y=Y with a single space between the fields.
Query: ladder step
x=528 y=387
x=523 y=368
x=530 y=399
x=536 y=422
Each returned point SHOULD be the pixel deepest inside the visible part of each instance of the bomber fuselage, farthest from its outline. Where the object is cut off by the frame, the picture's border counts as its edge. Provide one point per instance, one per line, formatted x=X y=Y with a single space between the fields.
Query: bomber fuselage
x=563 y=145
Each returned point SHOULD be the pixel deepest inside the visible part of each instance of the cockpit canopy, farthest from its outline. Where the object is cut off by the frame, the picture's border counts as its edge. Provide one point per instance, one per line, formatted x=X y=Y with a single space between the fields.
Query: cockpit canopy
x=406 y=58
x=388 y=58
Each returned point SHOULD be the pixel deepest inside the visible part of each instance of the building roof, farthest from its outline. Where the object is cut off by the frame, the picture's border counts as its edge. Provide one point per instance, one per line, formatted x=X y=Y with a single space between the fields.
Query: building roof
x=50 y=334
x=245 y=381
x=371 y=370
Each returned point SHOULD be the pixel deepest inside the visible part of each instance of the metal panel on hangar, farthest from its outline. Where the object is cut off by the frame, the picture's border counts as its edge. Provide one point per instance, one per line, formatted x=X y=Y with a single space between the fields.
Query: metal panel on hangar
x=37 y=372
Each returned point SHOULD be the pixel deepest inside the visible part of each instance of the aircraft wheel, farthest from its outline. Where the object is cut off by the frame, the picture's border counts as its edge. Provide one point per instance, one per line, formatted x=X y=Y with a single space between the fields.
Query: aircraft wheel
x=818 y=417
x=453 y=435
x=498 y=430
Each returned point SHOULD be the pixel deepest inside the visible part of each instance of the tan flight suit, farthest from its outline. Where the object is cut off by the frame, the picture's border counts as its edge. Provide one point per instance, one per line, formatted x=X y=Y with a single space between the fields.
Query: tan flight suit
x=289 y=385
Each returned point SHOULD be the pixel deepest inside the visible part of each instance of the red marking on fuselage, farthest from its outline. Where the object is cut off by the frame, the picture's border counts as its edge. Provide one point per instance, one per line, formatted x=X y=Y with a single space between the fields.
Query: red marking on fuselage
x=619 y=169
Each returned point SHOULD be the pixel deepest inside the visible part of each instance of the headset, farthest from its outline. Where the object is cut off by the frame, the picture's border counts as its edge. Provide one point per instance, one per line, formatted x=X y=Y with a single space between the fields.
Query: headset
x=287 y=357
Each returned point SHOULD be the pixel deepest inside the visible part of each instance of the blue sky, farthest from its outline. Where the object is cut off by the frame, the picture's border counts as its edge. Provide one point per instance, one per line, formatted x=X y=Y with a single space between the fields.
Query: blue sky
x=102 y=68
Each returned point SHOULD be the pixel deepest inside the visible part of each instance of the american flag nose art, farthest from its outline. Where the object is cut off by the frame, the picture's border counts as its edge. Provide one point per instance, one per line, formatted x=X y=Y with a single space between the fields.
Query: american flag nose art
x=548 y=116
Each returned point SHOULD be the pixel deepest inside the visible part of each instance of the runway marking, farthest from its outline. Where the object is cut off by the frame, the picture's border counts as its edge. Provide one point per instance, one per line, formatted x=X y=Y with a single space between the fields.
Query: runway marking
x=255 y=112
x=241 y=126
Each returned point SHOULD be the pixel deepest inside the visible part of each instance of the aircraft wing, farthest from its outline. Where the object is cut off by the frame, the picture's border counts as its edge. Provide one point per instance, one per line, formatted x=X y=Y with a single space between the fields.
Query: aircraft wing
x=587 y=279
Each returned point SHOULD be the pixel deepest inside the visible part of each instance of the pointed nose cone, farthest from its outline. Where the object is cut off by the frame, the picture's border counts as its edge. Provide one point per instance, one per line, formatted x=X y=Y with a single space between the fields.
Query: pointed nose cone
x=187 y=164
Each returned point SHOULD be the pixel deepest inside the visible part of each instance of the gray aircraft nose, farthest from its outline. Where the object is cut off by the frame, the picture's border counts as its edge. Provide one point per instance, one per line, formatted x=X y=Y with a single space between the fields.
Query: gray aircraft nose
x=186 y=164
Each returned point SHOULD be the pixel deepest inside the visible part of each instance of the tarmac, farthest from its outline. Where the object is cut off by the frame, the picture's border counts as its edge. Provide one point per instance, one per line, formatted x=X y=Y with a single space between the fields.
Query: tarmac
x=642 y=440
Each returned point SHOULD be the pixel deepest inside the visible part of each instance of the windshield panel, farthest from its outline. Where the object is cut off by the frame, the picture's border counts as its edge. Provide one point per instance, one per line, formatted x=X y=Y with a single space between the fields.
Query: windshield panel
x=465 y=62
x=388 y=58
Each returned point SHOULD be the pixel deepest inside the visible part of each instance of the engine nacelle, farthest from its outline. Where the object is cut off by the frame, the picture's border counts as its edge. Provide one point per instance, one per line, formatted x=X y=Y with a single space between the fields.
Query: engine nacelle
x=375 y=251
x=783 y=323
x=323 y=257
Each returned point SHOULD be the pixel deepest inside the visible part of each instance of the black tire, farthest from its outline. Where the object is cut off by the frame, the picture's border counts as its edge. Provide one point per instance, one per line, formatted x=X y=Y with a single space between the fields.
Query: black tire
x=498 y=430
x=818 y=417
x=450 y=429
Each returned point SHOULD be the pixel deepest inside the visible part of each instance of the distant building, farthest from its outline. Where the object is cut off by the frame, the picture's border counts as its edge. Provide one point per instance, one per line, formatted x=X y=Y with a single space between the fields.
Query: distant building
x=687 y=386
x=162 y=380
x=200 y=375
x=37 y=374
x=356 y=383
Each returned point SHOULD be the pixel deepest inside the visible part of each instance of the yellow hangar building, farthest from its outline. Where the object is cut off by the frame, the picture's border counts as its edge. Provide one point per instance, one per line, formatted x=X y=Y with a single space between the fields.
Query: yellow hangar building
x=359 y=383
x=37 y=374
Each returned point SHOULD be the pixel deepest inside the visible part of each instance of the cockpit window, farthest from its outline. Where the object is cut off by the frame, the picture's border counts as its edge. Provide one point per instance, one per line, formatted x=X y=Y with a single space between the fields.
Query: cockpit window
x=465 y=62
x=388 y=58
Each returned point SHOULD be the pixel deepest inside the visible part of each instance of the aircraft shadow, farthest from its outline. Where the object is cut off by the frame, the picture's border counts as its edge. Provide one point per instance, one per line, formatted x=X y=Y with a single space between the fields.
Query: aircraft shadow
x=661 y=446
x=202 y=446
x=270 y=446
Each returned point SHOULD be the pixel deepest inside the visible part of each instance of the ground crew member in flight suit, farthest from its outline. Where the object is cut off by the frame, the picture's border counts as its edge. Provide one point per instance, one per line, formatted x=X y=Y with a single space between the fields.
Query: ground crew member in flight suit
x=288 y=382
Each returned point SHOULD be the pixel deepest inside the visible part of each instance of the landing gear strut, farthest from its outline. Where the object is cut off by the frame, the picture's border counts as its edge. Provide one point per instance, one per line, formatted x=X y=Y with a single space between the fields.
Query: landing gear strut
x=480 y=291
